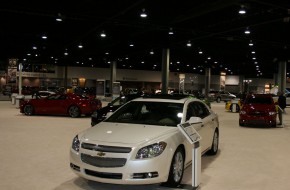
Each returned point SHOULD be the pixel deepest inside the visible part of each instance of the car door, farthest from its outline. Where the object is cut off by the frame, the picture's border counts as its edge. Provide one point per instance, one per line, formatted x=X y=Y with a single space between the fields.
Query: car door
x=55 y=104
x=199 y=109
x=194 y=109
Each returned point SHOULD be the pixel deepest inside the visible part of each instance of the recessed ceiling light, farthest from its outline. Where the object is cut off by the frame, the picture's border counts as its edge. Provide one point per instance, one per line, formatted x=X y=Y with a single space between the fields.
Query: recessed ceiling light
x=188 y=44
x=103 y=34
x=59 y=18
x=247 y=31
x=143 y=14
x=251 y=43
x=170 y=32
x=242 y=10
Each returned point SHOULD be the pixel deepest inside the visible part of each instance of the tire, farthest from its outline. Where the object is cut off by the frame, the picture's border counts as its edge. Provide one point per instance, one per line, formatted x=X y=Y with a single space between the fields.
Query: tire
x=74 y=111
x=237 y=108
x=28 y=109
x=215 y=144
x=218 y=100
x=176 y=169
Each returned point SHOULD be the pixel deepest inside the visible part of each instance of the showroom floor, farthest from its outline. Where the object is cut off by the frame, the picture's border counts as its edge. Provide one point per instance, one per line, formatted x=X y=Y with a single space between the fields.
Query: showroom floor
x=35 y=155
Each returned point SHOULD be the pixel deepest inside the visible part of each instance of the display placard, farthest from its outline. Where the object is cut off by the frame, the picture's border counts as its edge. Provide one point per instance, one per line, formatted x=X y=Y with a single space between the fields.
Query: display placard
x=189 y=132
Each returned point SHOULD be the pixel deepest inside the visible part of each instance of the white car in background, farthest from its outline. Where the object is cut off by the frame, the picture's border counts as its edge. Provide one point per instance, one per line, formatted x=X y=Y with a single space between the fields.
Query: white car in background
x=140 y=142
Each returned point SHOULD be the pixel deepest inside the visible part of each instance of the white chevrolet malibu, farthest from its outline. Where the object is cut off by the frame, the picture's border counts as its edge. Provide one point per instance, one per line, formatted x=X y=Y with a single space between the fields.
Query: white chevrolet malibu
x=140 y=142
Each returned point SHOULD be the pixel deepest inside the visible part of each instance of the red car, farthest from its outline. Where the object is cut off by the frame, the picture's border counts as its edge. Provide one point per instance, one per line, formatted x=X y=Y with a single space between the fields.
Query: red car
x=258 y=109
x=61 y=104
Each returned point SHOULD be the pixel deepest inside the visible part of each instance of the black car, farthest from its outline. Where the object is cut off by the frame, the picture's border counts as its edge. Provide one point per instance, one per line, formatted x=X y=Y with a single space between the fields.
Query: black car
x=100 y=115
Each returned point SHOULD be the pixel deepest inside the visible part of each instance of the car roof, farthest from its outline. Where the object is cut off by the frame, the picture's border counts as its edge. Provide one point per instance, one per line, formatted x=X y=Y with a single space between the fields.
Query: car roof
x=260 y=95
x=175 y=98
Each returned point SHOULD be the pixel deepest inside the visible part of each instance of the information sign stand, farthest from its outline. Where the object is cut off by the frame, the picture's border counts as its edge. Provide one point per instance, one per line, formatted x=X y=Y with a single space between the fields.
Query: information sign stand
x=193 y=137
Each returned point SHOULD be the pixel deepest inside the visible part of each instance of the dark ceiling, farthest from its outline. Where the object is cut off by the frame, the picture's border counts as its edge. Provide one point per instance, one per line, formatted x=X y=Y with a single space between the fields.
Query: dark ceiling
x=213 y=26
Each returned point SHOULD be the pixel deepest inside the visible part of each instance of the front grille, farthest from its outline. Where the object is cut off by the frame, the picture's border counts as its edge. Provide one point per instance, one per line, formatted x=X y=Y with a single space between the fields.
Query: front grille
x=104 y=162
x=258 y=113
x=102 y=148
x=104 y=175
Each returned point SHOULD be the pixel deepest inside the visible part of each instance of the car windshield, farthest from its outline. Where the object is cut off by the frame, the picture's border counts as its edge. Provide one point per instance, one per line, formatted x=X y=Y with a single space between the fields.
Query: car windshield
x=148 y=113
x=259 y=100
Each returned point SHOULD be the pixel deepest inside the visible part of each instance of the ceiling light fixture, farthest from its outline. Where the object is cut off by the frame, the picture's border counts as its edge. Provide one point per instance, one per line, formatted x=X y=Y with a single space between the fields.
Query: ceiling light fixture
x=247 y=31
x=188 y=43
x=103 y=34
x=80 y=46
x=59 y=18
x=200 y=52
x=251 y=43
x=44 y=37
x=143 y=14
x=170 y=31
x=242 y=11
x=151 y=52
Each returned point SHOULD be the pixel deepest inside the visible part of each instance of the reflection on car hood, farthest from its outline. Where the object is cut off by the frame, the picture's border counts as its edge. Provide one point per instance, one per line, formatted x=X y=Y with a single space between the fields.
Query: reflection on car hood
x=125 y=133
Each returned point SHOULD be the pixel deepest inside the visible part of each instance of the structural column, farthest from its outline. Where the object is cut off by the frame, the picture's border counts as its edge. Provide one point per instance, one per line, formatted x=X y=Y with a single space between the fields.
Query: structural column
x=282 y=76
x=113 y=75
x=207 y=81
x=165 y=70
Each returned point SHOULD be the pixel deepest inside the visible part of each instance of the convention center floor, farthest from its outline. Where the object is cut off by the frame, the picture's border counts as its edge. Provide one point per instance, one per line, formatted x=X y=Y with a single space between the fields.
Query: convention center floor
x=35 y=155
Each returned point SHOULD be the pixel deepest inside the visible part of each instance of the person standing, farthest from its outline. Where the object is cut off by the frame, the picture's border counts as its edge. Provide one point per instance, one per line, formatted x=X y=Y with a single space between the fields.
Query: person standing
x=282 y=105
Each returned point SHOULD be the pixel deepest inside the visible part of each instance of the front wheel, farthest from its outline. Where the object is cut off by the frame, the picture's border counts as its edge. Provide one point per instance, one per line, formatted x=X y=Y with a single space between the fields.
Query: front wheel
x=28 y=109
x=215 y=144
x=176 y=169
x=74 y=111
x=235 y=110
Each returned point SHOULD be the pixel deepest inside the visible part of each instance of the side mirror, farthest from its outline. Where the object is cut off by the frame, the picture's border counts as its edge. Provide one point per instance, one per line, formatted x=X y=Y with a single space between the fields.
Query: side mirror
x=194 y=120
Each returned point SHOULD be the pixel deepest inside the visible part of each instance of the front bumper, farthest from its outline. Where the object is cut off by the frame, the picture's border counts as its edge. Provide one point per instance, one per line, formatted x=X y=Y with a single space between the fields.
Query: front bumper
x=144 y=171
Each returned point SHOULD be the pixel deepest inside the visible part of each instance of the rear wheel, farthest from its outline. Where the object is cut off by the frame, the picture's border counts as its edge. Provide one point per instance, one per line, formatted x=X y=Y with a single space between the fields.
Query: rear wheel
x=28 y=109
x=176 y=169
x=74 y=111
x=215 y=144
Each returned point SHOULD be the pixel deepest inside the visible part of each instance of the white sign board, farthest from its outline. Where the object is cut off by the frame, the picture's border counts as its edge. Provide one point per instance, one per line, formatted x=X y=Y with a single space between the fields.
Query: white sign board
x=189 y=132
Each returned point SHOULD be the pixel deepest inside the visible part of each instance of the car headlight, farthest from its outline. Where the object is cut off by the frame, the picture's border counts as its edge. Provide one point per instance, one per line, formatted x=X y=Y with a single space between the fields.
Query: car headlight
x=243 y=112
x=151 y=151
x=76 y=143
x=272 y=113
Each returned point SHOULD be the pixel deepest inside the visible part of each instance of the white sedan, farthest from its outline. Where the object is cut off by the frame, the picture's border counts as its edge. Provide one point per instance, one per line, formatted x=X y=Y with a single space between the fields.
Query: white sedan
x=140 y=142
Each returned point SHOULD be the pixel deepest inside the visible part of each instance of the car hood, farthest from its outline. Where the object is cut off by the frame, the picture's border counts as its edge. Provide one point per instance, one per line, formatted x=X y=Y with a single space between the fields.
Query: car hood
x=126 y=133
x=259 y=107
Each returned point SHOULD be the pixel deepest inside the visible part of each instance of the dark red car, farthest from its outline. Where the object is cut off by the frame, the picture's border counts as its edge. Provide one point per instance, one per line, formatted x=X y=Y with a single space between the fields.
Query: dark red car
x=258 y=109
x=61 y=104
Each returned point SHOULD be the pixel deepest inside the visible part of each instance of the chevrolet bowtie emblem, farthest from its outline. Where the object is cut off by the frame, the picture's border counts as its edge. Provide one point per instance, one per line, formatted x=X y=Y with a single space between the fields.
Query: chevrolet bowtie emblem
x=101 y=154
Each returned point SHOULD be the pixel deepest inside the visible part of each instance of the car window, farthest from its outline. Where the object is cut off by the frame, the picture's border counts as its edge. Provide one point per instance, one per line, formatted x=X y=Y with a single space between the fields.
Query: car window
x=191 y=111
x=201 y=109
x=259 y=100
x=149 y=113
